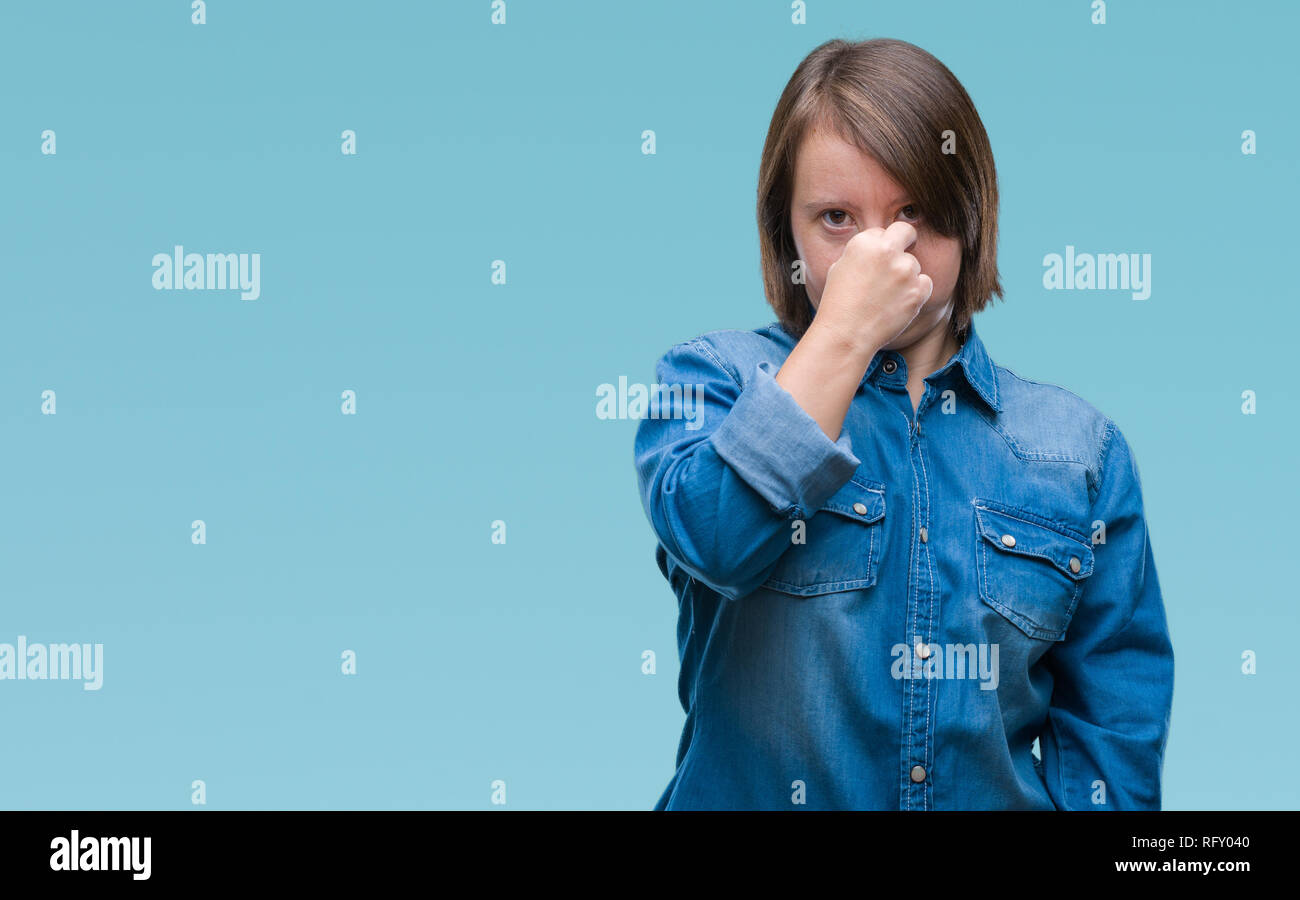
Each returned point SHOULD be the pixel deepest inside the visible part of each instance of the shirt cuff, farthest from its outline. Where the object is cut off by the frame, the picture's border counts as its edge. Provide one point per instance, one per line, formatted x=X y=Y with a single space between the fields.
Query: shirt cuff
x=780 y=451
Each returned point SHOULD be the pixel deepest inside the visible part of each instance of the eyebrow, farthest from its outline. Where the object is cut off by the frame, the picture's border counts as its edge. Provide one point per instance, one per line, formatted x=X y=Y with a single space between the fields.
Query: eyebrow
x=813 y=204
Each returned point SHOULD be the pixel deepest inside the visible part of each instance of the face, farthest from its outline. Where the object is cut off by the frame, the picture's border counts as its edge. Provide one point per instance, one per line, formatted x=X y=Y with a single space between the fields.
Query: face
x=839 y=191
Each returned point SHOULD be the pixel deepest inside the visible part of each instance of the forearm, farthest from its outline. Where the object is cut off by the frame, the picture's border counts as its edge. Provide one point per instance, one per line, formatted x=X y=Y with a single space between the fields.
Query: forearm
x=722 y=496
x=823 y=373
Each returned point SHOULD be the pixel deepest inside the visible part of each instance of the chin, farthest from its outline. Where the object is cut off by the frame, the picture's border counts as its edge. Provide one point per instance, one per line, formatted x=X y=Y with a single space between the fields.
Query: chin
x=917 y=330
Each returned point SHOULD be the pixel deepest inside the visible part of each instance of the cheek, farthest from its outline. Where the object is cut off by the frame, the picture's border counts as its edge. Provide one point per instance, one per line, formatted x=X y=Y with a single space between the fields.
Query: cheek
x=941 y=260
x=818 y=256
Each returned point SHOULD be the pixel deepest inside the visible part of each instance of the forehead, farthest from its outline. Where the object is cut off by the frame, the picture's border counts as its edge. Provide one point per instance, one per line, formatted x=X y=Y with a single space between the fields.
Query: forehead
x=829 y=168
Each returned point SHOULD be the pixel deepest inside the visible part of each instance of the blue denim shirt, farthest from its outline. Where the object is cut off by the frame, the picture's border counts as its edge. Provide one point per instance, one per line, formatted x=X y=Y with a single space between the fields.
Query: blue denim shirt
x=890 y=620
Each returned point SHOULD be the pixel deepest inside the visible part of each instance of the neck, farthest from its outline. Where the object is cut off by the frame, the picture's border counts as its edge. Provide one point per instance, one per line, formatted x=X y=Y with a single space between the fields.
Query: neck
x=928 y=354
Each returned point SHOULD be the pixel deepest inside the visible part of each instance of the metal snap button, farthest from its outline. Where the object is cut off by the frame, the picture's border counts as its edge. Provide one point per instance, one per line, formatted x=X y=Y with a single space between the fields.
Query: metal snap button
x=925 y=534
x=889 y=366
x=1074 y=564
x=1008 y=540
x=860 y=508
x=923 y=651
x=918 y=774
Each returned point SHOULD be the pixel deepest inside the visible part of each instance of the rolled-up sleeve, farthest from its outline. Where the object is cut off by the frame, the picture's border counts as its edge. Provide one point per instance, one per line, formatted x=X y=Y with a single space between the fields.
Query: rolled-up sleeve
x=724 y=466
x=1104 y=741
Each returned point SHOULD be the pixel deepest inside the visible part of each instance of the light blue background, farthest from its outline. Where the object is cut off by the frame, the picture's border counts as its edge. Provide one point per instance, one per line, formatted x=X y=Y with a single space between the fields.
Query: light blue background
x=477 y=402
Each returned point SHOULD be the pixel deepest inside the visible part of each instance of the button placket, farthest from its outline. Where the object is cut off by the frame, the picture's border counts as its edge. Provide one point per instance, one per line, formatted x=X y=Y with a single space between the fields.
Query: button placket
x=923 y=613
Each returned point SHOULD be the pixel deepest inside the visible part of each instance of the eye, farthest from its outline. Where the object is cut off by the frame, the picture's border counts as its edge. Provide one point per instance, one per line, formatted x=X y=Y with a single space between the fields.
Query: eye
x=915 y=214
x=831 y=212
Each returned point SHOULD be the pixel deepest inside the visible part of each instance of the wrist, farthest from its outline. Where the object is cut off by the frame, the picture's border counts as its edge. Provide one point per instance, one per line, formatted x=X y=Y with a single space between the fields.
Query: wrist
x=860 y=348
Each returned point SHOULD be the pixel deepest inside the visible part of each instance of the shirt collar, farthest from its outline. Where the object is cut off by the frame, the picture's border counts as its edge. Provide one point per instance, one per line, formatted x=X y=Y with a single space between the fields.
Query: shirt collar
x=972 y=360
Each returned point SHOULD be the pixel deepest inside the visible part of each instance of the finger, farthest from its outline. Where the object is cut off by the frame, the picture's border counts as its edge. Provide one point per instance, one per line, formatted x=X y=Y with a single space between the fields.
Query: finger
x=900 y=235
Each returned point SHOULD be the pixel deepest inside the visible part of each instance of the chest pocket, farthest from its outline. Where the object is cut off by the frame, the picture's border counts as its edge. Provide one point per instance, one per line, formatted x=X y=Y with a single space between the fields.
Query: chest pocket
x=841 y=548
x=1030 y=570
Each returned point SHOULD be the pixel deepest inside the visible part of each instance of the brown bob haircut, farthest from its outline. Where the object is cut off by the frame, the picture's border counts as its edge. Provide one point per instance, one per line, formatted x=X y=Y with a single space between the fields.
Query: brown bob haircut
x=900 y=105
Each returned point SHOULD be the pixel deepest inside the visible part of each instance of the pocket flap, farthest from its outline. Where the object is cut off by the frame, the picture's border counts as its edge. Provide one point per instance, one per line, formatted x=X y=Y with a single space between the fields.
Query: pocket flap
x=1029 y=538
x=858 y=499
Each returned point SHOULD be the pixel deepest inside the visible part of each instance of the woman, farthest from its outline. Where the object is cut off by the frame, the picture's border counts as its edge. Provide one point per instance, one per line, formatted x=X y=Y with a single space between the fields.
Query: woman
x=898 y=564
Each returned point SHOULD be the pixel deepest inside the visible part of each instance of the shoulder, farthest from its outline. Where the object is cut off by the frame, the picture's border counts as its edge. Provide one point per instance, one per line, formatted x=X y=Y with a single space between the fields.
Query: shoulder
x=735 y=352
x=1045 y=421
